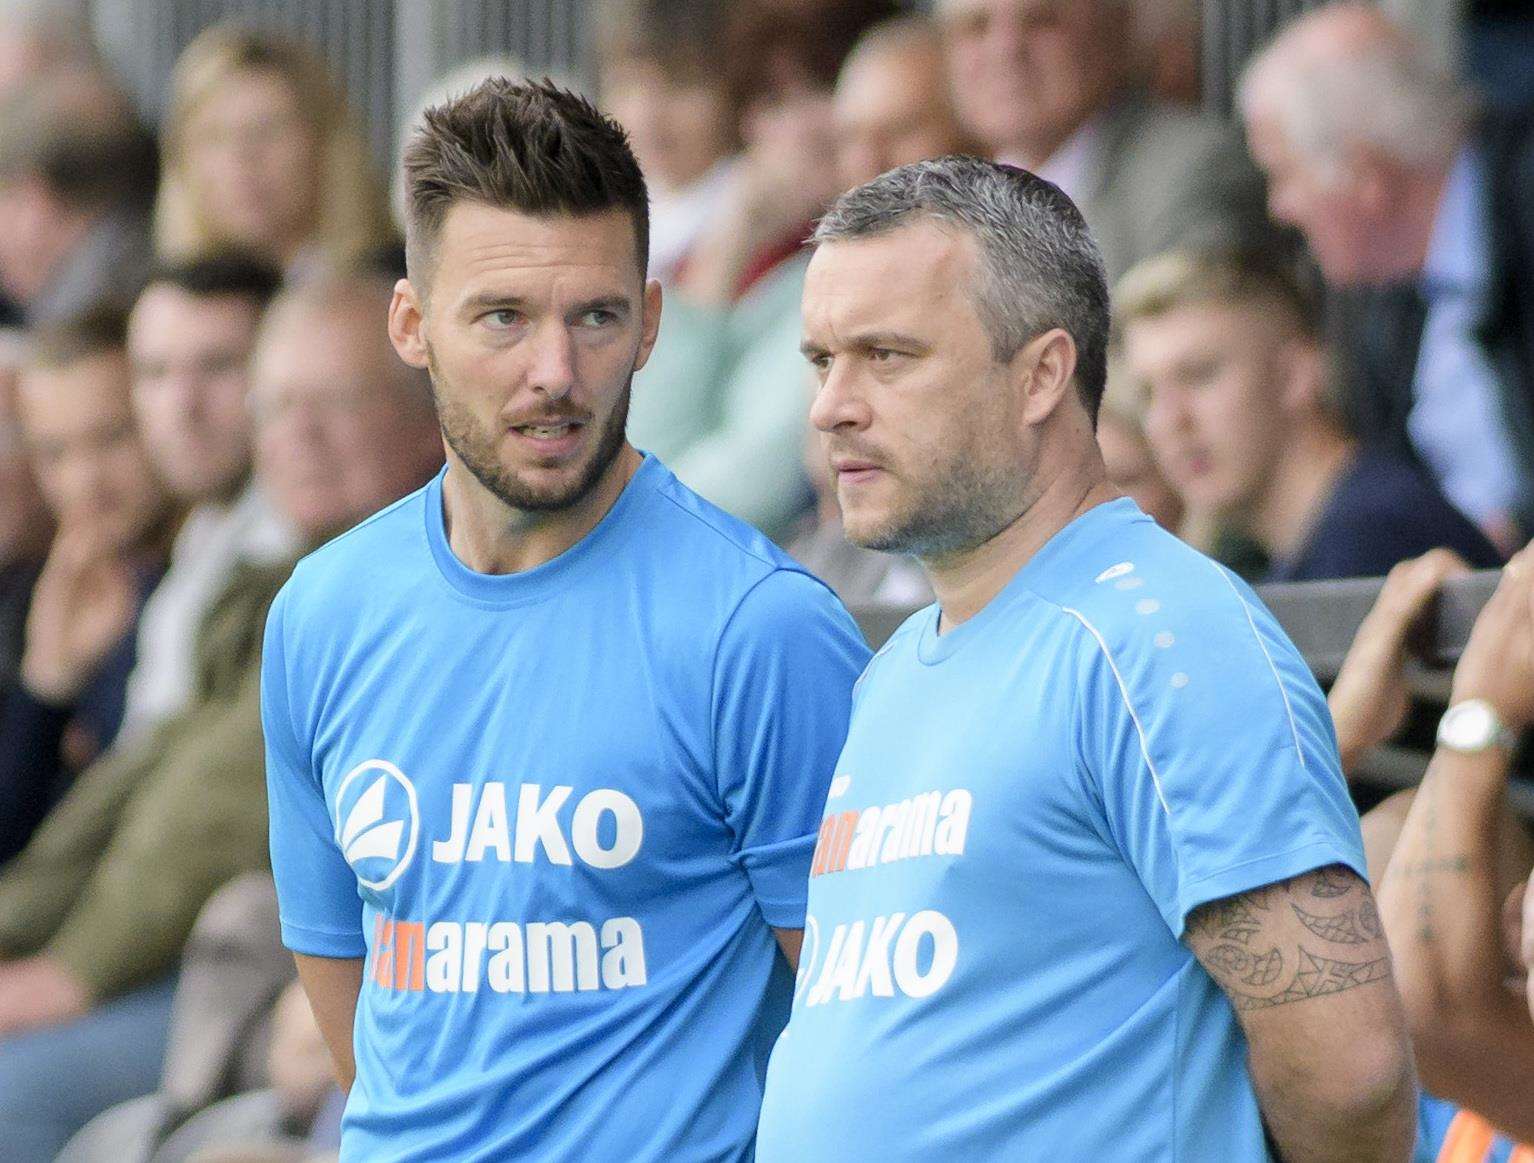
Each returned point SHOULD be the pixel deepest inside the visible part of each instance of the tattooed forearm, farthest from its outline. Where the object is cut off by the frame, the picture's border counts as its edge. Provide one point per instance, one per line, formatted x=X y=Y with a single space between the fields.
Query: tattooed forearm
x=1314 y=935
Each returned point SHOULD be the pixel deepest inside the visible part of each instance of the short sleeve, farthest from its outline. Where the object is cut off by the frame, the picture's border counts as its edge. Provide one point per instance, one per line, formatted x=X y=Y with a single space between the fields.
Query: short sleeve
x=782 y=694
x=1210 y=747
x=316 y=890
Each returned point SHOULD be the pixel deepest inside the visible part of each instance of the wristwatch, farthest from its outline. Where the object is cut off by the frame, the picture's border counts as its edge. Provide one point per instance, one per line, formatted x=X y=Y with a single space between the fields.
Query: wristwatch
x=1472 y=726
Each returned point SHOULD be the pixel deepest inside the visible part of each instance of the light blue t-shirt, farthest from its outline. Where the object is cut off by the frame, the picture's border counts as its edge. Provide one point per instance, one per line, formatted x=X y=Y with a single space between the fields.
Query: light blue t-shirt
x=1027 y=809
x=559 y=812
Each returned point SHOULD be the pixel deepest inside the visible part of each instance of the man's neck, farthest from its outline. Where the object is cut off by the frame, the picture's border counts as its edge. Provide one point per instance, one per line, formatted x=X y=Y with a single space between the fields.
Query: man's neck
x=1297 y=491
x=489 y=536
x=965 y=581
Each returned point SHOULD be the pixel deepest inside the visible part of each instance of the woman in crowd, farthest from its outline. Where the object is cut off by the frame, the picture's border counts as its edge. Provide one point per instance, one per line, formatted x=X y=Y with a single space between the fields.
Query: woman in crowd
x=261 y=152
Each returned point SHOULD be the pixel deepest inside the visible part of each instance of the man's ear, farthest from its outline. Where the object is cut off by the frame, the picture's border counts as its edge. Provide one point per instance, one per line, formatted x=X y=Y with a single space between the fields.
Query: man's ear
x=650 y=308
x=1043 y=372
x=406 y=319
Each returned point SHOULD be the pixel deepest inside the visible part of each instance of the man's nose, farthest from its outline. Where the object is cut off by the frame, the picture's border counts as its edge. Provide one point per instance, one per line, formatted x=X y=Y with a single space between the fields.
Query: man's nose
x=837 y=404
x=553 y=363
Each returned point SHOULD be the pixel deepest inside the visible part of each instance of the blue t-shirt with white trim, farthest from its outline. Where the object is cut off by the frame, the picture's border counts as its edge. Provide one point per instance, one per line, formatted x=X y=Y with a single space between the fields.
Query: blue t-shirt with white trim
x=559 y=813
x=1027 y=809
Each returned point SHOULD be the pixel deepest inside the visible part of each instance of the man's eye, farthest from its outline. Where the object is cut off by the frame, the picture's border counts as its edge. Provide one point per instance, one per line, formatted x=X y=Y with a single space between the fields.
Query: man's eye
x=600 y=317
x=504 y=318
x=882 y=354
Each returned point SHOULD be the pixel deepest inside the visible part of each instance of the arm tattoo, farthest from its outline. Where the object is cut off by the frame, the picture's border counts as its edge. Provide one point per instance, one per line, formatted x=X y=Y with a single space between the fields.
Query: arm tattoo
x=1431 y=865
x=1310 y=936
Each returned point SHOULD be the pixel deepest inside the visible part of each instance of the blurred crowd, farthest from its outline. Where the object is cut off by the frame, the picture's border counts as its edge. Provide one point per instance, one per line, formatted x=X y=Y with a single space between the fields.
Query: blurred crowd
x=1323 y=366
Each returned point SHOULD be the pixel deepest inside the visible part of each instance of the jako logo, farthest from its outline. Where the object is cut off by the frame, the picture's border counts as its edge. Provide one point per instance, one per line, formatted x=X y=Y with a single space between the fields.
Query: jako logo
x=379 y=822
x=889 y=955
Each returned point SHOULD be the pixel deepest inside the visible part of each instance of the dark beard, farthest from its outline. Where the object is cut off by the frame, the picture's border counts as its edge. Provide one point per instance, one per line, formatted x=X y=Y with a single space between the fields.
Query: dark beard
x=476 y=449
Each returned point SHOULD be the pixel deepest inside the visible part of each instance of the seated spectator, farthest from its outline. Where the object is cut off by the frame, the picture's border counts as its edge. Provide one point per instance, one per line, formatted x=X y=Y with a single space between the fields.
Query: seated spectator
x=1048 y=85
x=662 y=73
x=1425 y=212
x=26 y=525
x=77 y=176
x=1227 y=345
x=114 y=524
x=892 y=104
x=261 y=153
x=1448 y=890
x=42 y=37
x=1168 y=40
x=190 y=337
x=721 y=400
x=1131 y=464
x=95 y=912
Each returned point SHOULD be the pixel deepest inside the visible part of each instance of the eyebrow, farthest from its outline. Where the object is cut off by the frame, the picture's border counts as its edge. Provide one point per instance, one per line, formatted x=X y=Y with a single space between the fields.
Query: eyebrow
x=868 y=340
x=493 y=301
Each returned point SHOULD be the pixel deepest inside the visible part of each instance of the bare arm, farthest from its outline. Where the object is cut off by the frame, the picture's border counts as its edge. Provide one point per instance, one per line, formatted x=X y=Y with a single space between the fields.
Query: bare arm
x=790 y=941
x=1443 y=890
x=333 y=984
x=1305 y=964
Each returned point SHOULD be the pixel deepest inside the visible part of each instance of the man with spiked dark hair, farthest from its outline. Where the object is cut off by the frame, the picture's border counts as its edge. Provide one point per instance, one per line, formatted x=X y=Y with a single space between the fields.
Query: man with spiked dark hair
x=548 y=740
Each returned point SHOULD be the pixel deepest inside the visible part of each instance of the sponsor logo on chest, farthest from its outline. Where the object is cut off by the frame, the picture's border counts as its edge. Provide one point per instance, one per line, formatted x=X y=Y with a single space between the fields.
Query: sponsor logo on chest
x=379 y=831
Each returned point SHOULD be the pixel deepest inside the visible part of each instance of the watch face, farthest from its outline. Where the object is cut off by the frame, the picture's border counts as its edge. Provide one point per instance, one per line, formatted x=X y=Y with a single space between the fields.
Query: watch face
x=1469 y=726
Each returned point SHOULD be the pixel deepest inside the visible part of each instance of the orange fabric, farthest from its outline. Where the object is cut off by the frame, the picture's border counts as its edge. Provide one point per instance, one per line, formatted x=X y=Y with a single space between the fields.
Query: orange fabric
x=1468 y=1140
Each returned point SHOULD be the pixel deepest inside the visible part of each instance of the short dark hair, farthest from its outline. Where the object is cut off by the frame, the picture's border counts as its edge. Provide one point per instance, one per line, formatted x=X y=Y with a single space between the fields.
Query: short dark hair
x=223 y=272
x=99 y=330
x=526 y=146
x=1040 y=268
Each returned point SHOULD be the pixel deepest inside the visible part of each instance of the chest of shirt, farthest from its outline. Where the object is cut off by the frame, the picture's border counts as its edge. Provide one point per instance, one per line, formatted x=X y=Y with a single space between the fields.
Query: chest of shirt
x=516 y=764
x=957 y=781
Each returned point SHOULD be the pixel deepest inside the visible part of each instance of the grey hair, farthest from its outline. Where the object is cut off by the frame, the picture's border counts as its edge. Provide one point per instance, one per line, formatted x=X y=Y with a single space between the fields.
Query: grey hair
x=1390 y=94
x=1040 y=268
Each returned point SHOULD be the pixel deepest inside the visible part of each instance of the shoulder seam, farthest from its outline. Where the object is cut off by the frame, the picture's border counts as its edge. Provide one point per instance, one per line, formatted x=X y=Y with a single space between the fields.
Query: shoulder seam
x=1129 y=706
x=365 y=522
x=713 y=662
x=1283 y=693
x=744 y=550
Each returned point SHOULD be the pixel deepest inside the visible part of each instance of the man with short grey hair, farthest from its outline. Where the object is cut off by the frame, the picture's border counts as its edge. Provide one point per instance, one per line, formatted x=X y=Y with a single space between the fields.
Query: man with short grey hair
x=1088 y=884
x=1419 y=208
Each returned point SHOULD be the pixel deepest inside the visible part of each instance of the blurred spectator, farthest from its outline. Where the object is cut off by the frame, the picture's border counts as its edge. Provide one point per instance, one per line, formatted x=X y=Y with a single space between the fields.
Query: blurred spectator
x=662 y=73
x=26 y=525
x=40 y=37
x=113 y=528
x=260 y=152
x=1131 y=464
x=1227 y=344
x=190 y=338
x=1048 y=85
x=77 y=176
x=95 y=912
x=722 y=399
x=891 y=105
x=1426 y=210
x=1168 y=38
x=244 y=1064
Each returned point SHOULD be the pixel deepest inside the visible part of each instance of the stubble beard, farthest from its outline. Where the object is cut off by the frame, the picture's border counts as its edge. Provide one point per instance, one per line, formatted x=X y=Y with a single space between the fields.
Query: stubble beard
x=957 y=509
x=475 y=447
